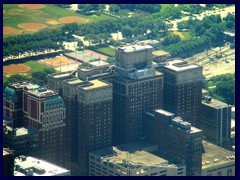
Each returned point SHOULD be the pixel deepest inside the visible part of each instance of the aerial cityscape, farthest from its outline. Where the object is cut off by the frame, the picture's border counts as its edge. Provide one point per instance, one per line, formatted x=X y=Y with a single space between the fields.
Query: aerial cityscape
x=119 y=89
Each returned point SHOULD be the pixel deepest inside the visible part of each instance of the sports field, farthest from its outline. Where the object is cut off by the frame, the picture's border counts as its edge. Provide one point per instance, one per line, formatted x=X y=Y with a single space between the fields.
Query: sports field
x=45 y=15
x=86 y=55
x=25 y=69
x=58 y=61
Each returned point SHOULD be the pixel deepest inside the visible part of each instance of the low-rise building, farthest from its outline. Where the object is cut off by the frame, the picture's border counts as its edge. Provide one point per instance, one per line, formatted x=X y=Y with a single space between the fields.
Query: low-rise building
x=217 y=161
x=30 y=166
x=132 y=159
x=94 y=68
x=161 y=56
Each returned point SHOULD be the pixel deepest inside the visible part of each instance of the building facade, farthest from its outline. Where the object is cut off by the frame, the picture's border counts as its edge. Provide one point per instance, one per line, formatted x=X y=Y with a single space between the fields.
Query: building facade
x=55 y=80
x=8 y=162
x=216 y=121
x=183 y=90
x=137 y=88
x=89 y=120
x=44 y=110
x=21 y=140
x=13 y=105
x=178 y=141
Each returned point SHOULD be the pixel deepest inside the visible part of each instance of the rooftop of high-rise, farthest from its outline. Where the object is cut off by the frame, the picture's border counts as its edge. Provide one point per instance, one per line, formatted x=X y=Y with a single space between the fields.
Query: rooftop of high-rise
x=60 y=75
x=95 y=84
x=208 y=101
x=179 y=65
x=133 y=48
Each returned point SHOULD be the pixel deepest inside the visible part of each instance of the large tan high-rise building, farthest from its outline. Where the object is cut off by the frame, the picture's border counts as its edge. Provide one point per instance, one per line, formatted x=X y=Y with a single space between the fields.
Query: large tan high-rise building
x=137 y=88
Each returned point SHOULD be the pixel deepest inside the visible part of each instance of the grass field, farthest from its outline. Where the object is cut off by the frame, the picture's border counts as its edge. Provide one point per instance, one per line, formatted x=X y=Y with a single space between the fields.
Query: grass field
x=15 y=15
x=35 y=66
x=182 y=34
x=4 y=79
x=107 y=50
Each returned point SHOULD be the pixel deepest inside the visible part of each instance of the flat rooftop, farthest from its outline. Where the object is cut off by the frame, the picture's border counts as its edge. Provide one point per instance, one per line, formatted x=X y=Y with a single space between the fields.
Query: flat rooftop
x=179 y=65
x=138 y=152
x=160 y=53
x=30 y=162
x=133 y=48
x=166 y=113
x=44 y=92
x=75 y=81
x=23 y=84
x=215 y=155
x=61 y=74
x=99 y=63
x=95 y=84
x=215 y=104
x=6 y=151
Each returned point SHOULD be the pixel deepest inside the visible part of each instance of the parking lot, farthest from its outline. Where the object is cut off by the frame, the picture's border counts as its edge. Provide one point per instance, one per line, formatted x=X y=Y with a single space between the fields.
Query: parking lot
x=213 y=66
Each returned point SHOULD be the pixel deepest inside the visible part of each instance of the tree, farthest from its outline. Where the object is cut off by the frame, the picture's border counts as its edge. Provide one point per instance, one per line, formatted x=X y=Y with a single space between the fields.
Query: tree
x=114 y=8
x=127 y=31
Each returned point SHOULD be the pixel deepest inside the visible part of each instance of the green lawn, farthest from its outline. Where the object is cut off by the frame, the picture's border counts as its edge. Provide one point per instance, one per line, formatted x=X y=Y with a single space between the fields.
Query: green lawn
x=107 y=50
x=164 y=6
x=4 y=79
x=186 y=35
x=35 y=66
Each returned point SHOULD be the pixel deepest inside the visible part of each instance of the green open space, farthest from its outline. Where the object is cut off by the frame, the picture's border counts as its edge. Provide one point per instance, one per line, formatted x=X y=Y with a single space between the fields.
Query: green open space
x=35 y=66
x=184 y=35
x=107 y=50
x=14 y=15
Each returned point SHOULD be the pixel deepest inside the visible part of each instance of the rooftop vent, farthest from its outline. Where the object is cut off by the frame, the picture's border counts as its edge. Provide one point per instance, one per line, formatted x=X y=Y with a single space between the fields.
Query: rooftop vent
x=207 y=162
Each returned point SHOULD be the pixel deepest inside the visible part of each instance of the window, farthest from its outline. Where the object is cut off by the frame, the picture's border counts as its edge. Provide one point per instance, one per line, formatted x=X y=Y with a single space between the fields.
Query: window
x=229 y=172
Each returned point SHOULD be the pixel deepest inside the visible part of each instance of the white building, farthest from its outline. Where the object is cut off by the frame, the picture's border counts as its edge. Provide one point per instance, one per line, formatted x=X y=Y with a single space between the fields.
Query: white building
x=29 y=166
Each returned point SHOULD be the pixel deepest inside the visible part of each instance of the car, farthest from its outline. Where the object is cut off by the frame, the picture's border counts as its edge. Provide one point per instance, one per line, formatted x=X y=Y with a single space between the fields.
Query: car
x=206 y=69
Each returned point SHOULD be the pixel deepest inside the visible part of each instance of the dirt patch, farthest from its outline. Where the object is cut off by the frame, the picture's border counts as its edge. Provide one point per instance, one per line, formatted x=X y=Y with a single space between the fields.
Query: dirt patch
x=32 y=26
x=4 y=11
x=179 y=34
x=53 y=22
x=72 y=19
x=57 y=61
x=10 y=30
x=15 y=68
x=32 y=6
